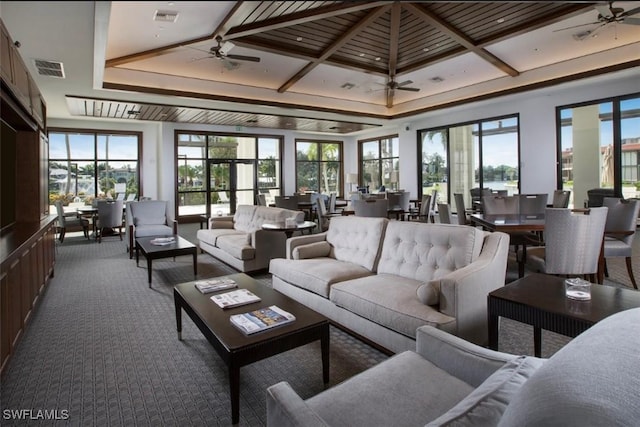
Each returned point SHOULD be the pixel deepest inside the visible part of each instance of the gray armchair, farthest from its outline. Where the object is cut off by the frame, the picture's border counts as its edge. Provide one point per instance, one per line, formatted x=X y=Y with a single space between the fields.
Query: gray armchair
x=148 y=218
x=449 y=381
x=620 y=231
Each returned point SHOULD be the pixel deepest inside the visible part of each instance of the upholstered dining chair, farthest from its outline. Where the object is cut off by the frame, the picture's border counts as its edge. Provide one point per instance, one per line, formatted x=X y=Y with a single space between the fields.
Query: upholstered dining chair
x=444 y=214
x=500 y=205
x=287 y=202
x=561 y=198
x=433 y=203
x=148 y=218
x=620 y=231
x=67 y=221
x=573 y=242
x=378 y=208
x=461 y=210
x=261 y=200
x=532 y=204
x=110 y=215
x=422 y=214
x=323 y=215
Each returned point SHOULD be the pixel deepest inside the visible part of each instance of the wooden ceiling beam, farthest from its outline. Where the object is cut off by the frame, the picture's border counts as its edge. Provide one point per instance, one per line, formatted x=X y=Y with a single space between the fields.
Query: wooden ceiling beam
x=460 y=38
x=331 y=49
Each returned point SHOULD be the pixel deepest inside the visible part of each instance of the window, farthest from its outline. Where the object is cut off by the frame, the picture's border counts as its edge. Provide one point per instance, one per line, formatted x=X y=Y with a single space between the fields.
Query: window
x=318 y=166
x=599 y=144
x=216 y=172
x=84 y=165
x=458 y=158
x=379 y=163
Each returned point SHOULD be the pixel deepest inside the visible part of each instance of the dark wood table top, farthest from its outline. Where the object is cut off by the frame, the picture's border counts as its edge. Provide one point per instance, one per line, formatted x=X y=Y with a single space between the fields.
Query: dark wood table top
x=149 y=248
x=547 y=293
x=506 y=223
x=217 y=321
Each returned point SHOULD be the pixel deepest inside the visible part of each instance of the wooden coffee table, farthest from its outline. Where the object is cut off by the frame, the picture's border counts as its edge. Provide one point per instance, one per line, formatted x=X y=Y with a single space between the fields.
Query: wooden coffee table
x=237 y=349
x=179 y=247
x=539 y=300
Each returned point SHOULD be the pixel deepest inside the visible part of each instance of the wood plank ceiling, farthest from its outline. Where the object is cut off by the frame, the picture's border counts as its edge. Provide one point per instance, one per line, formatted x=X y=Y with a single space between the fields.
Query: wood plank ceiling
x=382 y=38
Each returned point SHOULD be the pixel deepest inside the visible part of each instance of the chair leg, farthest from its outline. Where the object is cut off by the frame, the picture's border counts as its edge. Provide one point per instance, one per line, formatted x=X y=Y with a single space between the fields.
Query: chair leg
x=62 y=233
x=630 y=271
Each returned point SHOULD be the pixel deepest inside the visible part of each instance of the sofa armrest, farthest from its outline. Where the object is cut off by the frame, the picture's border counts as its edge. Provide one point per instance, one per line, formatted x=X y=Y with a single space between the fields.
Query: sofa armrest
x=294 y=242
x=463 y=292
x=221 y=222
x=466 y=361
x=285 y=408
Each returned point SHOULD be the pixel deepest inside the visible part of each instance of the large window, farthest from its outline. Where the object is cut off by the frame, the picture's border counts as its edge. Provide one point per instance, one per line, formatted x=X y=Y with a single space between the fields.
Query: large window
x=84 y=165
x=599 y=144
x=379 y=163
x=318 y=166
x=216 y=172
x=459 y=158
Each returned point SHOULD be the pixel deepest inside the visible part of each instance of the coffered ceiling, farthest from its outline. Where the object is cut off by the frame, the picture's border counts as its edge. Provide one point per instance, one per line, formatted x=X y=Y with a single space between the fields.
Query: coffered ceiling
x=348 y=65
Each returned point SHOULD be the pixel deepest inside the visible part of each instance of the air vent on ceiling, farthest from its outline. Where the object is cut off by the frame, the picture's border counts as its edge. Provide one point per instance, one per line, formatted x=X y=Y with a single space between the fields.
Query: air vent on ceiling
x=49 y=68
x=165 y=16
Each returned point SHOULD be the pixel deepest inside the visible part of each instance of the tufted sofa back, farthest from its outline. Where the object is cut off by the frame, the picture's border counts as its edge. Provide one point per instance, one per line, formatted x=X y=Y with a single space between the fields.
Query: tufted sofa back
x=249 y=218
x=424 y=251
x=356 y=239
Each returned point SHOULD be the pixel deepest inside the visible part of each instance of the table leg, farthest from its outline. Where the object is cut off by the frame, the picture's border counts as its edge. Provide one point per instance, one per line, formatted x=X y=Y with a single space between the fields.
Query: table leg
x=234 y=389
x=137 y=254
x=195 y=262
x=149 y=270
x=324 y=346
x=537 y=341
x=178 y=318
x=493 y=332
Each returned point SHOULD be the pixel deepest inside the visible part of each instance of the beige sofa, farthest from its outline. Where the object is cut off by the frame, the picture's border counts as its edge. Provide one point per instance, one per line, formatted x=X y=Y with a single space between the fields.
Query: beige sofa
x=239 y=240
x=383 y=279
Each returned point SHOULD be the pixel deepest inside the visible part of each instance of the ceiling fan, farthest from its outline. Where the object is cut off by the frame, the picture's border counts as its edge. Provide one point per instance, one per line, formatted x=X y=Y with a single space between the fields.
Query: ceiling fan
x=220 y=52
x=392 y=85
x=607 y=14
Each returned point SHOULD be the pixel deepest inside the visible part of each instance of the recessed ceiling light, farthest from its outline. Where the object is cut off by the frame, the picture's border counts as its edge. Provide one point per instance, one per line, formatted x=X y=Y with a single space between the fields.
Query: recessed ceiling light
x=361 y=55
x=378 y=58
x=500 y=20
x=299 y=39
x=426 y=49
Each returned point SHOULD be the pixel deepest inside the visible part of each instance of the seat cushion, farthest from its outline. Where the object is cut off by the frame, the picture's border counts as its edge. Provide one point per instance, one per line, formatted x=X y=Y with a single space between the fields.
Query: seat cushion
x=405 y=390
x=237 y=245
x=485 y=405
x=316 y=275
x=390 y=301
x=210 y=236
x=153 y=230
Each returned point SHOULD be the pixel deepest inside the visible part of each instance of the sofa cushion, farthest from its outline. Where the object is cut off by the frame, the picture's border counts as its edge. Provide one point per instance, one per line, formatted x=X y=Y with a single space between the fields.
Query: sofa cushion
x=312 y=250
x=429 y=293
x=316 y=275
x=243 y=218
x=424 y=251
x=210 y=236
x=404 y=390
x=485 y=405
x=237 y=245
x=356 y=239
x=389 y=301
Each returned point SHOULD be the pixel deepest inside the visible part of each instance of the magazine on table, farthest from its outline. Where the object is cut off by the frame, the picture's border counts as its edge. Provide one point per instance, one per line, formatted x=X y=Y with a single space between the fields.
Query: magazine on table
x=261 y=319
x=212 y=285
x=235 y=298
x=161 y=241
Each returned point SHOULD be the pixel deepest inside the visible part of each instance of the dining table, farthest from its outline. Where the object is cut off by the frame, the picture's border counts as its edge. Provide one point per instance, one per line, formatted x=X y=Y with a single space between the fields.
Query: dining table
x=519 y=223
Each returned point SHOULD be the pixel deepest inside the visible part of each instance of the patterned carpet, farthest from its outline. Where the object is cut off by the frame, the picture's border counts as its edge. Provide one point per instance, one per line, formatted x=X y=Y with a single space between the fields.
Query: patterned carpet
x=102 y=350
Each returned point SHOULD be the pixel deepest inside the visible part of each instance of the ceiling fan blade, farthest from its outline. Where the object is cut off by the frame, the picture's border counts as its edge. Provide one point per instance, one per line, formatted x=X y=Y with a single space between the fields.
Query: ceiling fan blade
x=199 y=50
x=404 y=83
x=410 y=89
x=576 y=26
x=243 y=58
x=630 y=12
x=631 y=21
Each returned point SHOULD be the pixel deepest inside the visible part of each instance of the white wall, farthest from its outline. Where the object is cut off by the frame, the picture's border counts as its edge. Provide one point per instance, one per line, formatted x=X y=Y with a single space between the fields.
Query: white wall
x=537 y=133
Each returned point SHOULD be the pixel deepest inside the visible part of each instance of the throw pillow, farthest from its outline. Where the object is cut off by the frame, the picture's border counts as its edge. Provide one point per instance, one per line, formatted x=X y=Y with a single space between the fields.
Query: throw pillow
x=429 y=293
x=312 y=250
x=485 y=405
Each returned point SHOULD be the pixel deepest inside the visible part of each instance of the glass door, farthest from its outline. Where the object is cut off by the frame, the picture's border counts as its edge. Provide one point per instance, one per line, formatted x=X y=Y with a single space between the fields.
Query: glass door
x=232 y=182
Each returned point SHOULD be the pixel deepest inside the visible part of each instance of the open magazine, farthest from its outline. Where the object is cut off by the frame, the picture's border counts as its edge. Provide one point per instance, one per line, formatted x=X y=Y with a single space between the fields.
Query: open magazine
x=261 y=319
x=235 y=298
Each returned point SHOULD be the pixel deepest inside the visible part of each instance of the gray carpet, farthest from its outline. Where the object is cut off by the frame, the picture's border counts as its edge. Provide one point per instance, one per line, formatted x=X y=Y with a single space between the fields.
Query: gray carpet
x=102 y=346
